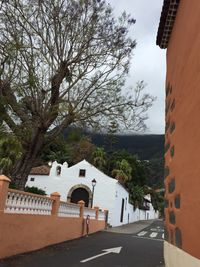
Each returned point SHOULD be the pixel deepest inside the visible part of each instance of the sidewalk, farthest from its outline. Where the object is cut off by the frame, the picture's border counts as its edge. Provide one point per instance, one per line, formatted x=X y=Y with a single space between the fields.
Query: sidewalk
x=130 y=228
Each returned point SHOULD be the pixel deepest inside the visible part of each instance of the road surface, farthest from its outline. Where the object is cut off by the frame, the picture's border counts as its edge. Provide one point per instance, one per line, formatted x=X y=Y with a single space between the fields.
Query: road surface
x=104 y=249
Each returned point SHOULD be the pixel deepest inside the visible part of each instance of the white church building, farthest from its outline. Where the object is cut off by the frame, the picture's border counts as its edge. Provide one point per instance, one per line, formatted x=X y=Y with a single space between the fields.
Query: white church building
x=85 y=182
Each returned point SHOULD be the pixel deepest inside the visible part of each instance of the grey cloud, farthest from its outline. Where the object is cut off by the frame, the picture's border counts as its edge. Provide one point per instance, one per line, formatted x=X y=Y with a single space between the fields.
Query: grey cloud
x=148 y=62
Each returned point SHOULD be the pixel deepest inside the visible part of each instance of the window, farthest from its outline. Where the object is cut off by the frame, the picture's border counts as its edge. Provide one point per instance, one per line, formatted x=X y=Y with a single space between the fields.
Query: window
x=82 y=173
x=58 y=170
x=32 y=179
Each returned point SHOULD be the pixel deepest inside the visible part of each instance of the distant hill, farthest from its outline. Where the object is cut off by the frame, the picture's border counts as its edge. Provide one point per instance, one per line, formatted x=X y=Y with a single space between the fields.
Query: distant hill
x=145 y=146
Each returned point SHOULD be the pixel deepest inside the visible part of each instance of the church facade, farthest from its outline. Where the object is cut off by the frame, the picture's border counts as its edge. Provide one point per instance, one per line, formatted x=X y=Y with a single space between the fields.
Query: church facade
x=85 y=182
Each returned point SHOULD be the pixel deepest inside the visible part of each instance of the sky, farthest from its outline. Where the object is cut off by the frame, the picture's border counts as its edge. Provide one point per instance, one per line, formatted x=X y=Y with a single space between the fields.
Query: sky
x=148 y=62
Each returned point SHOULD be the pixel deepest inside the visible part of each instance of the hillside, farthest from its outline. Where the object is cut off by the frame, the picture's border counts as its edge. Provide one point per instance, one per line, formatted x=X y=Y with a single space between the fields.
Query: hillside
x=145 y=146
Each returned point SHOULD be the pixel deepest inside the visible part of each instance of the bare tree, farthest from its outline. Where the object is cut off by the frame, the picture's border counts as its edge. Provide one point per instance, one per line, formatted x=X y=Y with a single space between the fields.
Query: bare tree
x=64 y=62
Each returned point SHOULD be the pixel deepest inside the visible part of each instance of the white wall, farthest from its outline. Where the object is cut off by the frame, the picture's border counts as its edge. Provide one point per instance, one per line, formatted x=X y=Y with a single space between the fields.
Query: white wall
x=120 y=193
x=108 y=192
x=104 y=193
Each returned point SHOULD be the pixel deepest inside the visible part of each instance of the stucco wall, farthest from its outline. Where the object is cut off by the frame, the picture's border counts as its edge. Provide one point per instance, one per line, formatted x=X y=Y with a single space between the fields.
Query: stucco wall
x=130 y=214
x=182 y=163
x=22 y=233
x=121 y=193
x=104 y=194
x=108 y=193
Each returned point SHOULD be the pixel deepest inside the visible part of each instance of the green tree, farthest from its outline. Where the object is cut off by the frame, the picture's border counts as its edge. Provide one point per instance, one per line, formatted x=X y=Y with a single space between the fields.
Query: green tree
x=64 y=63
x=58 y=150
x=138 y=172
x=157 y=198
x=10 y=152
x=73 y=149
x=111 y=138
x=123 y=171
x=136 y=195
x=99 y=158
x=154 y=169
x=140 y=175
x=82 y=150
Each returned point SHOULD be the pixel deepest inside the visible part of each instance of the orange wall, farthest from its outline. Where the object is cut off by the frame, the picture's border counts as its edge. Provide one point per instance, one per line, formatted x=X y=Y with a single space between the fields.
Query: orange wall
x=183 y=74
x=22 y=233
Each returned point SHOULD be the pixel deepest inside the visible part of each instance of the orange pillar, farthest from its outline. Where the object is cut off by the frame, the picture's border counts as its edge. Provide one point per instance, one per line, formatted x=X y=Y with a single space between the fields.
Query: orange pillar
x=96 y=212
x=82 y=205
x=4 y=184
x=56 y=203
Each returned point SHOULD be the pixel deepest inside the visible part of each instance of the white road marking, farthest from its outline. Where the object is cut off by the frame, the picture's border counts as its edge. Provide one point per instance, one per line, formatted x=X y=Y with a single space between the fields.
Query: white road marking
x=153 y=235
x=142 y=233
x=107 y=251
x=157 y=230
x=152 y=239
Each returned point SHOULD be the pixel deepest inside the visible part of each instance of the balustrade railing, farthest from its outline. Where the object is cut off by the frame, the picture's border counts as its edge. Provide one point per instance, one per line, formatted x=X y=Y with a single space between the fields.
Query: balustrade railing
x=68 y=210
x=89 y=211
x=20 y=202
x=27 y=203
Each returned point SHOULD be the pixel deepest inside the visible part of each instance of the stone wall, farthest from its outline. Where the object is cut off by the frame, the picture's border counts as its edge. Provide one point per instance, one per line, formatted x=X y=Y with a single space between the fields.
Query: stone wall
x=182 y=139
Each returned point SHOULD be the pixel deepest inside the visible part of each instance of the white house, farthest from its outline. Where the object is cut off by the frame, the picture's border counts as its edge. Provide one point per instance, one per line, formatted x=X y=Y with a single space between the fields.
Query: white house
x=78 y=183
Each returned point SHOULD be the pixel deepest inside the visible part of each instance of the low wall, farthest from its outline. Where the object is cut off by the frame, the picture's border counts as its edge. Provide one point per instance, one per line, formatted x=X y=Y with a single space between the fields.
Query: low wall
x=22 y=233
x=175 y=257
x=29 y=222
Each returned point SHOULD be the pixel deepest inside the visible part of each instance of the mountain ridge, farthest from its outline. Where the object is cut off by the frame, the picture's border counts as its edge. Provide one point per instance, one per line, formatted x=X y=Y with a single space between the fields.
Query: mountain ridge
x=145 y=146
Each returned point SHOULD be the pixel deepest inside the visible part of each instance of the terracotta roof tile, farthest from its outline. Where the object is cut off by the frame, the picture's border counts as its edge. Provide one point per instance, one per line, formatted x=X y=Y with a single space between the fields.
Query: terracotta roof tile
x=168 y=16
x=40 y=170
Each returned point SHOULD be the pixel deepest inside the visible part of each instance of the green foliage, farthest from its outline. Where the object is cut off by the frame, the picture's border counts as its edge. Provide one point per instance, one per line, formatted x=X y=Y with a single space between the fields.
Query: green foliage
x=35 y=190
x=10 y=152
x=157 y=198
x=154 y=169
x=136 y=195
x=146 y=147
x=111 y=137
x=75 y=148
x=136 y=175
x=130 y=165
x=99 y=158
x=82 y=150
x=123 y=171
x=74 y=135
x=58 y=150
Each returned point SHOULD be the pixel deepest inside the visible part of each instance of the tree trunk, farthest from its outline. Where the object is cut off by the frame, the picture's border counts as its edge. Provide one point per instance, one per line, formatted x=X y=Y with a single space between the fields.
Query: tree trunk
x=23 y=167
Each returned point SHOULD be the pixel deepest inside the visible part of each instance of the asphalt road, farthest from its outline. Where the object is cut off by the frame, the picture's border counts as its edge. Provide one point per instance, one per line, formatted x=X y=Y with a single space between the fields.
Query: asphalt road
x=134 y=251
x=154 y=231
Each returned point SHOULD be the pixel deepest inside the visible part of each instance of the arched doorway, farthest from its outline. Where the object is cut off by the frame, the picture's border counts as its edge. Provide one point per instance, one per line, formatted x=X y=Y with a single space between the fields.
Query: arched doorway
x=80 y=192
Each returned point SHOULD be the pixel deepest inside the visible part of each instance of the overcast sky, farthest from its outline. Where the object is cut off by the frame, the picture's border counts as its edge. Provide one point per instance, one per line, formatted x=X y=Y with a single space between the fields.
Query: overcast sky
x=148 y=62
